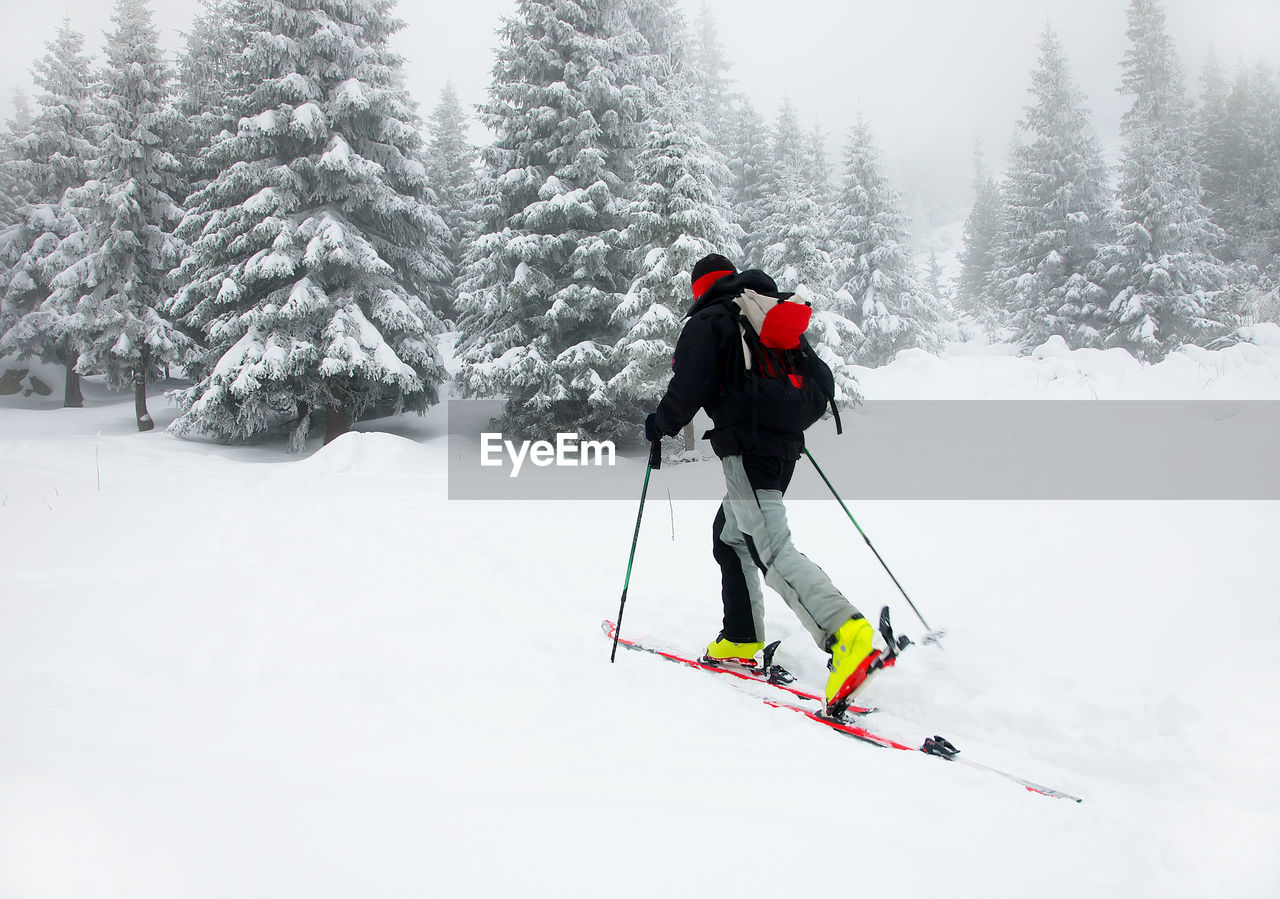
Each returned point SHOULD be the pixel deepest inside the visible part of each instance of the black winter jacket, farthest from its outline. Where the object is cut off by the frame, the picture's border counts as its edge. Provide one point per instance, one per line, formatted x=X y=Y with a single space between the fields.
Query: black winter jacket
x=709 y=372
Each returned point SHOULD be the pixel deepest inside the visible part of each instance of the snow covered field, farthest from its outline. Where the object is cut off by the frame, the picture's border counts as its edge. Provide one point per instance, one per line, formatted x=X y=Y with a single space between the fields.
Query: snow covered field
x=234 y=673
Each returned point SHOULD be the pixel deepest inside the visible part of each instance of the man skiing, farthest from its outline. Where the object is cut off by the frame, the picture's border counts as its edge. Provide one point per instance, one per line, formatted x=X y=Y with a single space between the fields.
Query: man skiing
x=760 y=400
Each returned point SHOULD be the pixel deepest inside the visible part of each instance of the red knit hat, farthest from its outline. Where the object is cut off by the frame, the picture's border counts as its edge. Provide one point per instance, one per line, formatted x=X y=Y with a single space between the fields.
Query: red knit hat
x=708 y=271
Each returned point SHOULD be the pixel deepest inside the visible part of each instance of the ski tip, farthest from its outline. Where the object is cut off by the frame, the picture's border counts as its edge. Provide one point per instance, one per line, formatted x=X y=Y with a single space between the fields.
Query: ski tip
x=1052 y=793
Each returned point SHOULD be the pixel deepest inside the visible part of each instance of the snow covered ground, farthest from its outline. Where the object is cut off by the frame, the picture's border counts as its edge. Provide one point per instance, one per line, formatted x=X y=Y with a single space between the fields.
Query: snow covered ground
x=231 y=672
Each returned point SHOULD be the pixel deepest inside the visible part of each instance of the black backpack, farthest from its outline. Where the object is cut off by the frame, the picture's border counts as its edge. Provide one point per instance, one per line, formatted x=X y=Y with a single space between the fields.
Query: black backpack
x=789 y=384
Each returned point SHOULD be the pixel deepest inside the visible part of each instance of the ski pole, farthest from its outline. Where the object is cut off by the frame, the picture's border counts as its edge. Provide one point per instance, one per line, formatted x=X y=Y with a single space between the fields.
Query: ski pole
x=932 y=636
x=655 y=461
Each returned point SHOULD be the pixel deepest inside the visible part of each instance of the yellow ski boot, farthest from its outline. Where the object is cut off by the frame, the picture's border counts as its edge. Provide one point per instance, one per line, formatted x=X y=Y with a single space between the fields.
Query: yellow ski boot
x=851 y=658
x=723 y=650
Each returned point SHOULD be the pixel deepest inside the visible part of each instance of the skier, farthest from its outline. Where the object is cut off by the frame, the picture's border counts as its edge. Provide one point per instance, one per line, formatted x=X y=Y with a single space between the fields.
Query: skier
x=758 y=434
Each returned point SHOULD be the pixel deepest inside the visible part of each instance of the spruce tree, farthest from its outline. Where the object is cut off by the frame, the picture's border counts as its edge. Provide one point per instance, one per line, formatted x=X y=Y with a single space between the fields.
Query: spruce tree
x=793 y=236
x=315 y=248
x=934 y=278
x=1168 y=284
x=678 y=216
x=664 y=33
x=1056 y=201
x=210 y=88
x=52 y=158
x=14 y=188
x=978 y=252
x=451 y=172
x=713 y=93
x=817 y=168
x=573 y=82
x=716 y=105
x=1260 y=245
x=877 y=285
x=119 y=259
x=22 y=119
x=13 y=199
x=937 y=285
x=1237 y=145
x=1214 y=142
x=791 y=239
x=58 y=148
x=748 y=153
x=818 y=178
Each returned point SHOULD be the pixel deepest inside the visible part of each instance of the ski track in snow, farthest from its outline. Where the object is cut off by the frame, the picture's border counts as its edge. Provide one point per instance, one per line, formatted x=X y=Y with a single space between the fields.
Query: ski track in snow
x=229 y=672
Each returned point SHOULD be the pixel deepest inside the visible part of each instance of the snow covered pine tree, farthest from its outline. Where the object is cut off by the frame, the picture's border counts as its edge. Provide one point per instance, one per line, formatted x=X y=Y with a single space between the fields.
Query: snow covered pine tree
x=977 y=255
x=1168 y=284
x=792 y=236
x=210 y=88
x=877 y=285
x=1056 y=200
x=52 y=158
x=450 y=160
x=573 y=84
x=116 y=264
x=13 y=187
x=314 y=250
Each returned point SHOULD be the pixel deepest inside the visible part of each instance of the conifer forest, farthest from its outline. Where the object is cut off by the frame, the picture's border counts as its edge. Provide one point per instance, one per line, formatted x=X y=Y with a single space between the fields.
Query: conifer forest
x=271 y=223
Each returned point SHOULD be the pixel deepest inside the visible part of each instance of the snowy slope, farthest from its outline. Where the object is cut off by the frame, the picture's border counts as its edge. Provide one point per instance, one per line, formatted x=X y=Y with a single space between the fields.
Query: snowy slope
x=228 y=672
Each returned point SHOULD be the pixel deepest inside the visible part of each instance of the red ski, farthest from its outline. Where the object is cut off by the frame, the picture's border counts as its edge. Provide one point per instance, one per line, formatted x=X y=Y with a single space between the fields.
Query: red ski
x=775 y=676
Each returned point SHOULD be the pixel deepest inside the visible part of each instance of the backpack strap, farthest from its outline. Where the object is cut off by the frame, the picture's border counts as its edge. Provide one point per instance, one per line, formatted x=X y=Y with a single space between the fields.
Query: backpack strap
x=751 y=348
x=811 y=353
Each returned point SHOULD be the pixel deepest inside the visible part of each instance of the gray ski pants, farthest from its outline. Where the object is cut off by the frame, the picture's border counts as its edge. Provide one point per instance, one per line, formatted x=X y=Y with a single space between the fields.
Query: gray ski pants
x=755 y=527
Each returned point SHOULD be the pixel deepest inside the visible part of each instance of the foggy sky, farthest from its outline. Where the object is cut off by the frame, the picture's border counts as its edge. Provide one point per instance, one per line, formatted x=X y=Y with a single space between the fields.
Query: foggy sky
x=931 y=75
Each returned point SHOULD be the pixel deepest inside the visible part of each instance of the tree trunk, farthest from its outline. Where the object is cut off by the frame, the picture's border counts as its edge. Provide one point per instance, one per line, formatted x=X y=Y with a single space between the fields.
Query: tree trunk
x=72 y=398
x=688 y=438
x=298 y=437
x=337 y=421
x=140 y=391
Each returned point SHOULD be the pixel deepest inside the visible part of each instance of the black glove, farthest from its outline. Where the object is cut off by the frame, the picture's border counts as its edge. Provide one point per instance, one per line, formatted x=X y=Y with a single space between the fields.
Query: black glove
x=651 y=432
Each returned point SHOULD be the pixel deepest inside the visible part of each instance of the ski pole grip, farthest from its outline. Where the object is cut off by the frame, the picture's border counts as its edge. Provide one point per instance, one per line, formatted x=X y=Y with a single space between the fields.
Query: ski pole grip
x=655 y=453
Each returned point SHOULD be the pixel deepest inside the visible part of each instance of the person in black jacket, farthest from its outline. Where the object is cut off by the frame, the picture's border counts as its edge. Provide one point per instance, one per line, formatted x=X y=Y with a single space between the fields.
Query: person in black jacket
x=758 y=413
